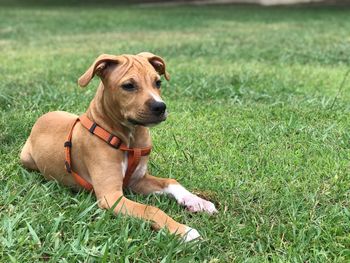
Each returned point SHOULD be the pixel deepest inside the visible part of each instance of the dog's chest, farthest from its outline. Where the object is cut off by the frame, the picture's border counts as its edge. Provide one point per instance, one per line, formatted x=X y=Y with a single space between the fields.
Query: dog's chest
x=141 y=138
x=139 y=171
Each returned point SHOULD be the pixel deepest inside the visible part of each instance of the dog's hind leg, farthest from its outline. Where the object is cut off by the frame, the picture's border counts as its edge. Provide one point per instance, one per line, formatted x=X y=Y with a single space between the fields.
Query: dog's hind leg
x=151 y=184
x=26 y=157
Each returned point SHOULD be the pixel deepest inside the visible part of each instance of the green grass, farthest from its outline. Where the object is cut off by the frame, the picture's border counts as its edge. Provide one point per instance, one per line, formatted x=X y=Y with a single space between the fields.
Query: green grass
x=259 y=122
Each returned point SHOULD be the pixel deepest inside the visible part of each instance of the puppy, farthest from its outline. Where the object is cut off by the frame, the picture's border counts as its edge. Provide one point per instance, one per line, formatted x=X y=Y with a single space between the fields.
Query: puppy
x=107 y=149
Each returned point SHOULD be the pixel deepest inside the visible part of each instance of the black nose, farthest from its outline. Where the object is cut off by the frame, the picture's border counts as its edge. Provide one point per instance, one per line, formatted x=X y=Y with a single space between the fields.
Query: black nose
x=158 y=107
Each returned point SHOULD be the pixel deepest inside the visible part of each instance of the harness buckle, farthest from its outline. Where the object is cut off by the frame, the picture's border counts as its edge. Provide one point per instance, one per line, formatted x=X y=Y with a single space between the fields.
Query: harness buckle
x=93 y=127
x=68 y=168
x=109 y=141
x=68 y=144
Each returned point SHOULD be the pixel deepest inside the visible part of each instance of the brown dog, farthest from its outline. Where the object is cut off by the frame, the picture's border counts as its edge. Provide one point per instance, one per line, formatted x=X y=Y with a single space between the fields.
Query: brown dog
x=126 y=103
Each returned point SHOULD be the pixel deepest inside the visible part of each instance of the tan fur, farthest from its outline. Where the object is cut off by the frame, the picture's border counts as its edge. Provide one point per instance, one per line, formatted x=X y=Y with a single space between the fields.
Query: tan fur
x=92 y=158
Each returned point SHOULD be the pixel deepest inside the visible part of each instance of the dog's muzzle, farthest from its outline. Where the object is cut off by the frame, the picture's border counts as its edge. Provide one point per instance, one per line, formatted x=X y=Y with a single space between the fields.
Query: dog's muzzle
x=155 y=113
x=158 y=108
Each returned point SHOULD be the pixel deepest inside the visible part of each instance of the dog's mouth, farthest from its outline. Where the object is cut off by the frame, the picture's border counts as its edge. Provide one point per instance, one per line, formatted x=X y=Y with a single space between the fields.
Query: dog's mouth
x=148 y=121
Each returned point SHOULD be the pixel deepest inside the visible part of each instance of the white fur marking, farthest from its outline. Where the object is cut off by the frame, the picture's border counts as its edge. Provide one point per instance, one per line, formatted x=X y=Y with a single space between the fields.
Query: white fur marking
x=124 y=164
x=191 y=234
x=177 y=191
x=192 y=202
x=155 y=97
x=139 y=171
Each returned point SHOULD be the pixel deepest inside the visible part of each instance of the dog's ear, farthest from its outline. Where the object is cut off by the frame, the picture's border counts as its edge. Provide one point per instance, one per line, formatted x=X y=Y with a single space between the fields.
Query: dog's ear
x=97 y=68
x=157 y=62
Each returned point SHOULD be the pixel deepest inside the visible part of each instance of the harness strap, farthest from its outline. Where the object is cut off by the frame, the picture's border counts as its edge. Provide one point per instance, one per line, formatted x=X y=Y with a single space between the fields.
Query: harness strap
x=134 y=154
x=104 y=135
x=68 y=162
x=133 y=160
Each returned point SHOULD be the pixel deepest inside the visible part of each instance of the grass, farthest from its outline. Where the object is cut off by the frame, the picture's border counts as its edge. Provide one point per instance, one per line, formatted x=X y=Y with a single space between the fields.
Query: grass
x=259 y=122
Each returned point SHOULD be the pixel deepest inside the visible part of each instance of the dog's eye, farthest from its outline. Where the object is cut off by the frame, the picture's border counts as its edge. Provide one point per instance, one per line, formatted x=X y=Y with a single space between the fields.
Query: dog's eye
x=128 y=86
x=158 y=84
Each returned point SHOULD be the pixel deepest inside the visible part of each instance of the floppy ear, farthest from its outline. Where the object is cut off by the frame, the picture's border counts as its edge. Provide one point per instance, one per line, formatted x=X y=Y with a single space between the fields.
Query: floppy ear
x=157 y=62
x=97 y=68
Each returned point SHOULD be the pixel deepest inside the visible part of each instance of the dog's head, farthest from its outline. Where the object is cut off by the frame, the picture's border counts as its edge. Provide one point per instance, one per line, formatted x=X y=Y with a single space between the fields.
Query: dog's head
x=132 y=86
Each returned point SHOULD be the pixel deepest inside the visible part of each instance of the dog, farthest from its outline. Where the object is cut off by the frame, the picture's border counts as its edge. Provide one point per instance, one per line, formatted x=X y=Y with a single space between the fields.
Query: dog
x=127 y=102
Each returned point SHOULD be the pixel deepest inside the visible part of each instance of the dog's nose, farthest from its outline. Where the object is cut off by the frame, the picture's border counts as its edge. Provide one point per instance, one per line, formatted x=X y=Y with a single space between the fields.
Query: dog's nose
x=158 y=107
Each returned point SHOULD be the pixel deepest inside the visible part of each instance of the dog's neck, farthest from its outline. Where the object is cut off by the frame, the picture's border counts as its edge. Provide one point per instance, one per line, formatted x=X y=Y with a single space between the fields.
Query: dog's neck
x=131 y=135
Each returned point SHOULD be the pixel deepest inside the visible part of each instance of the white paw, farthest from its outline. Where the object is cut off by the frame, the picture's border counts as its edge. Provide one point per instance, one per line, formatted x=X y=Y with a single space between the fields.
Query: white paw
x=194 y=203
x=191 y=234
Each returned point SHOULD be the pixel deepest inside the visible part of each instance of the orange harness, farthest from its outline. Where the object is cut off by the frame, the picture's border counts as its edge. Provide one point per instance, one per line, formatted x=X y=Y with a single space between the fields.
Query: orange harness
x=134 y=154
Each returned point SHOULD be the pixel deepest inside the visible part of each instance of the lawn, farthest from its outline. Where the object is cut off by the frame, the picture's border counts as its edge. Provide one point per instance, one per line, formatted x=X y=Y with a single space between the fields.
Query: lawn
x=259 y=123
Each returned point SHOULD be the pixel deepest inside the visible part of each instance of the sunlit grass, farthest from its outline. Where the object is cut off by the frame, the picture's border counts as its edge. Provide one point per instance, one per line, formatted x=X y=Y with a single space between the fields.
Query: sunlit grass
x=259 y=123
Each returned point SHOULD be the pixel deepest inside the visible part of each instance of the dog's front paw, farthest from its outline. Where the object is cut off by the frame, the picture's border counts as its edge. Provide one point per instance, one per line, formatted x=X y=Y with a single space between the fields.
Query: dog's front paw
x=194 y=203
x=191 y=234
